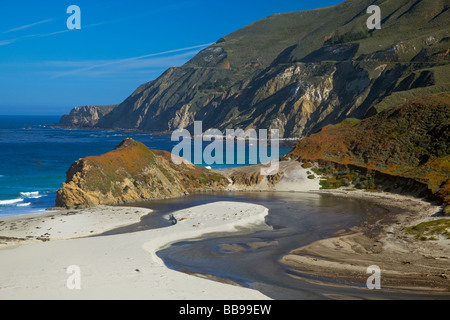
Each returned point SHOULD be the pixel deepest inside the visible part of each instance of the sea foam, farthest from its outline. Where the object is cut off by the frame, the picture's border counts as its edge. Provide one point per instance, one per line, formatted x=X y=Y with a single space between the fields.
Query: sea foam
x=24 y=204
x=12 y=201
x=33 y=195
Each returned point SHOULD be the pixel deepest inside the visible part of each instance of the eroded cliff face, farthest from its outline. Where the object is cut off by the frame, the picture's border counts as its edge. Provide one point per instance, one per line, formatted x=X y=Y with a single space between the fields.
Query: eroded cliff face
x=294 y=98
x=297 y=98
x=132 y=172
x=84 y=117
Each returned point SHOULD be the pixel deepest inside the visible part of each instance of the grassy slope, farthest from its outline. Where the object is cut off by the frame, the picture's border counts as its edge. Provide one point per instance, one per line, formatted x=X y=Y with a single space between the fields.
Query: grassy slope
x=404 y=21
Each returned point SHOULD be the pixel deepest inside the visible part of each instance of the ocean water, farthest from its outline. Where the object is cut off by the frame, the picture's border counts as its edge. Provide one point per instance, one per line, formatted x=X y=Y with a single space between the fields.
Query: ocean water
x=34 y=158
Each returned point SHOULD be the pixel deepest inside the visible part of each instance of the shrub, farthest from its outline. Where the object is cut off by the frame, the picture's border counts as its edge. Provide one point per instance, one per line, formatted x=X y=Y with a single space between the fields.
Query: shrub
x=307 y=165
x=447 y=210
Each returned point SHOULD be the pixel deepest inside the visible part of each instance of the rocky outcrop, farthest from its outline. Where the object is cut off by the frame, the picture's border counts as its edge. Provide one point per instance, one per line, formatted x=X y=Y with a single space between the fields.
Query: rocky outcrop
x=244 y=177
x=84 y=117
x=132 y=172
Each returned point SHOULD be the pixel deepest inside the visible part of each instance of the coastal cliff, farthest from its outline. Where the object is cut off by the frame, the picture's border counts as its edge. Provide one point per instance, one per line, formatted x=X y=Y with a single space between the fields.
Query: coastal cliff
x=299 y=71
x=84 y=117
x=132 y=172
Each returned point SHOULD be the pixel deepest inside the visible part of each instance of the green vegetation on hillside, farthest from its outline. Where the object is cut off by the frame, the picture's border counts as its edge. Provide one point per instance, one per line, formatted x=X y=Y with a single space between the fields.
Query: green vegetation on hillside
x=431 y=230
x=411 y=141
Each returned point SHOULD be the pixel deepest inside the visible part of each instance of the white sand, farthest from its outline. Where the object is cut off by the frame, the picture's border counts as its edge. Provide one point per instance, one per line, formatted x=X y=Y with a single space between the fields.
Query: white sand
x=123 y=266
x=295 y=178
x=66 y=224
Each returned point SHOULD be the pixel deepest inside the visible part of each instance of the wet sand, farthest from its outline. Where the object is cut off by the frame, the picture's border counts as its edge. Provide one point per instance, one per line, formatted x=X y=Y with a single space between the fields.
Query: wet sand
x=319 y=251
x=314 y=246
x=406 y=264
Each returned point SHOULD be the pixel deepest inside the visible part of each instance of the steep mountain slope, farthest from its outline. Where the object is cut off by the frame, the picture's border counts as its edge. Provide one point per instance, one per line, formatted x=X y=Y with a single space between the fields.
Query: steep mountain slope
x=301 y=71
x=411 y=141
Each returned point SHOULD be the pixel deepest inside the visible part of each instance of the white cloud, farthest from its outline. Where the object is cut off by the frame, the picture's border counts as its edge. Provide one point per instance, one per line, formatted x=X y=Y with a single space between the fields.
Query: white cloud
x=31 y=36
x=27 y=26
x=168 y=8
x=148 y=61
x=6 y=42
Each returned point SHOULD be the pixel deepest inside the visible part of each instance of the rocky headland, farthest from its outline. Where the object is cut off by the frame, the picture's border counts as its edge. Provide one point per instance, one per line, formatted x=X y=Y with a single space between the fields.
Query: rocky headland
x=86 y=117
x=132 y=172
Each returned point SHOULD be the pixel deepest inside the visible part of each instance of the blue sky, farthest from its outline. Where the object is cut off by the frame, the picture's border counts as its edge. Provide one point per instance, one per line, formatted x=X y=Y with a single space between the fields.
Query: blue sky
x=45 y=68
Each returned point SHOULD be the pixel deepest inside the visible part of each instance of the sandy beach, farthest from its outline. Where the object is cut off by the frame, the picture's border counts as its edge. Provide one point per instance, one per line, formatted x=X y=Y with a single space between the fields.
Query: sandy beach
x=406 y=263
x=66 y=224
x=293 y=178
x=36 y=251
x=113 y=267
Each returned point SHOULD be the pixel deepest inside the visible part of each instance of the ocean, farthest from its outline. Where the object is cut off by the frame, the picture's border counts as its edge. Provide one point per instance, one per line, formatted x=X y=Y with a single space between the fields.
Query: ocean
x=34 y=158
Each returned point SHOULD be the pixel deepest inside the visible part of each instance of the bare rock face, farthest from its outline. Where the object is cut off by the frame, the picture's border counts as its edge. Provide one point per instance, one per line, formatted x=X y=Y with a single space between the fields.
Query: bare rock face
x=84 y=117
x=132 y=172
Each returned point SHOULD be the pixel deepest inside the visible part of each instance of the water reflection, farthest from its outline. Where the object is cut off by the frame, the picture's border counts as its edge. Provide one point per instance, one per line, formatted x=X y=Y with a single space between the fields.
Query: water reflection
x=251 y=258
